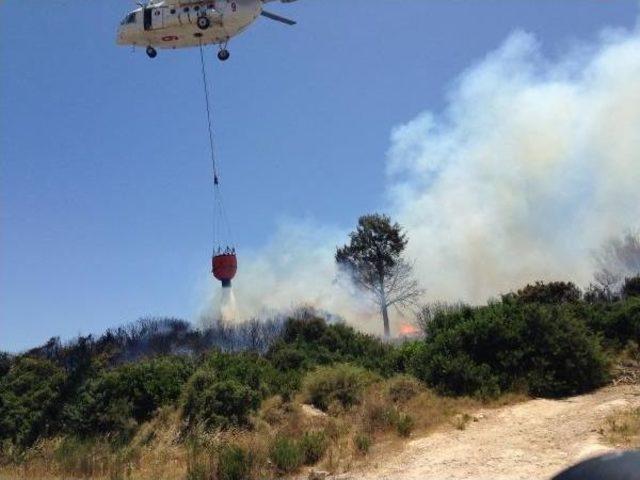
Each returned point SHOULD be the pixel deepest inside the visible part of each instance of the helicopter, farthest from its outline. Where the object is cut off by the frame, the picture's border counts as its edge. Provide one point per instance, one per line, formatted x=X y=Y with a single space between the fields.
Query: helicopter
x=170 y=24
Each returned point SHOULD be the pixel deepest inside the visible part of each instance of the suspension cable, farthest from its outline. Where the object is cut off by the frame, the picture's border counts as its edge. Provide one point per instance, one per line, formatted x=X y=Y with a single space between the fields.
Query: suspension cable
x=207 y=103
x=219 y=212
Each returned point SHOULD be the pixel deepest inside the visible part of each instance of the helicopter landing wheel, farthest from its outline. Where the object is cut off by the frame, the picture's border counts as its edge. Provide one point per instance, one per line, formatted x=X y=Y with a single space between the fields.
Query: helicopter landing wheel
x=151 y=52
x=203 y=23
x=223 y=55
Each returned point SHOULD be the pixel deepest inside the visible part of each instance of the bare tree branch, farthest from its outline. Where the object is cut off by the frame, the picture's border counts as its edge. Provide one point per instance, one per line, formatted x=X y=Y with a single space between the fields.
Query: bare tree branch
x=616 y=260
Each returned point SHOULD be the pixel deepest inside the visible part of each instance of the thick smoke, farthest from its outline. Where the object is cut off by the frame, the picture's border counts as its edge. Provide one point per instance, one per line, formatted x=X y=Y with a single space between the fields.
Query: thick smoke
x=533 y=164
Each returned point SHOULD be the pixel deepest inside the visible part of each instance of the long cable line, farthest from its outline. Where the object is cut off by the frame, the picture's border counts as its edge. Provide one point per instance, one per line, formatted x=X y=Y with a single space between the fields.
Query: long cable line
x=219 y=212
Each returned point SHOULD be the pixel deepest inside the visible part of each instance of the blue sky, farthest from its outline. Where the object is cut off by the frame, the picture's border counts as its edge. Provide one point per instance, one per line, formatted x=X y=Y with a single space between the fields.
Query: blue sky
x=104 y=173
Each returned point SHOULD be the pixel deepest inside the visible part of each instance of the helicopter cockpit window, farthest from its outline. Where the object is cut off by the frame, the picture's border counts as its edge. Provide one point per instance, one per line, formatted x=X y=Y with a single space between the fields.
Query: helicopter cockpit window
x=131 y=18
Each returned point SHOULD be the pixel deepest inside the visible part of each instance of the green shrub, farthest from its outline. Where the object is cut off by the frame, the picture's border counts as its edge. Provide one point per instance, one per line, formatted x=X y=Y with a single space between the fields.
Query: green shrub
x=253 y=371
x=5 y=363
x=313 y=445
x=286 y=455
x=228 y=387
x=552 y=293
x=456 y=373
x=213 y=403
x=404 y=424
x=488 y=350
x=288 y=358
x=431 y=310
x=248 y=369
x=117 y=400
x=30 y=399
x=309 y=342
x=362 y=442
x=342 y=384
x=401 y=357
x=402 y=388
x=151 y=384
x=618 y=322
x=631 y=287
x=234 y=463
x=564 y=358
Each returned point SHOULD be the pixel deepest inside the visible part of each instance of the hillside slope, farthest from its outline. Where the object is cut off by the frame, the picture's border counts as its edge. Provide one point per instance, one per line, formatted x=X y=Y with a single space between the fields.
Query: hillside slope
x=532 y=440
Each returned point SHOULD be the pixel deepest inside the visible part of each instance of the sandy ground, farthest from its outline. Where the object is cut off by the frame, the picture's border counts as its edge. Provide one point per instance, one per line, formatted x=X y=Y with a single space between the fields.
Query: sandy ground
x=533 y=440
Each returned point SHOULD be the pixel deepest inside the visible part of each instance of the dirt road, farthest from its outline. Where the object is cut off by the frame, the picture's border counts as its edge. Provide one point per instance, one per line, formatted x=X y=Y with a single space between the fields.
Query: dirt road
x=532 y=440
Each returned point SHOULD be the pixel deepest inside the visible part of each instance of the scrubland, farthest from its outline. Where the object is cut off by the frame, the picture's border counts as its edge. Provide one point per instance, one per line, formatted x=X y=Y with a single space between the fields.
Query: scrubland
x=258 y=401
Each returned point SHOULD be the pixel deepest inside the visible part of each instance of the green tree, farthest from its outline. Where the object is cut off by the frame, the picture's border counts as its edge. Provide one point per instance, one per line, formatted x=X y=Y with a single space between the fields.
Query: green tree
x=373 y=259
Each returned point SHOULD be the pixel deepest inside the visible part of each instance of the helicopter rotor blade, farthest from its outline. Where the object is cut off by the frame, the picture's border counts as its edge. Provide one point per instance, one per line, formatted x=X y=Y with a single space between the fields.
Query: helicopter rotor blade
x=277 y=18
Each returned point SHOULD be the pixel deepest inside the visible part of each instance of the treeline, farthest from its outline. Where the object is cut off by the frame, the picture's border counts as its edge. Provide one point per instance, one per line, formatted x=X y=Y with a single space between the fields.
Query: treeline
x=545 y=339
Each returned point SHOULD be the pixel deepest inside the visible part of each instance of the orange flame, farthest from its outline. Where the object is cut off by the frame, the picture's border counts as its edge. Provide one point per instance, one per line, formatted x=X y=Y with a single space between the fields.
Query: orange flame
x=408 y=330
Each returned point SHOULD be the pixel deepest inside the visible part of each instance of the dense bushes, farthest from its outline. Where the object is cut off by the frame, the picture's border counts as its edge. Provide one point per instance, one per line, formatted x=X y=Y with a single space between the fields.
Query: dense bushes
x=484 y=351
x=631 y=287
x=30 y=391
x=218 y=403
x=85 y=389
x=5 y=364
x=552 y=293
x=617 y=322
x=310 y=342
x=545 y=339
x=341 y=384
x=117 y=400
x=227 y=388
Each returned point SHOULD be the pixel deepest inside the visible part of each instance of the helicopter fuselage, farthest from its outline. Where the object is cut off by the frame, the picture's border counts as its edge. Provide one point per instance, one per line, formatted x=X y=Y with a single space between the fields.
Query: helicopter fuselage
x=187 y=23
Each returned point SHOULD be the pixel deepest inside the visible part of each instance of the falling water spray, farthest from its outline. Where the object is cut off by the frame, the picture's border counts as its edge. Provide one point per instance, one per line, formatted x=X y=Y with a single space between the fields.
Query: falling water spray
x=228 y=308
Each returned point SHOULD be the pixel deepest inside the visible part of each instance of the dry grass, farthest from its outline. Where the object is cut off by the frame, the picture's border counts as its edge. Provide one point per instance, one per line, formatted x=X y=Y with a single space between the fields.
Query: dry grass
x=69 y=458
x=622 y=428
x=389 y=410
x=156 y=452
x=626 y=370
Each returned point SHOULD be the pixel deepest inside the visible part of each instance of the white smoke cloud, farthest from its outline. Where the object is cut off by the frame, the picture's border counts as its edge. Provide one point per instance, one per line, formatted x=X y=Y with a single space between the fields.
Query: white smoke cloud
x=296 y=268
x=532 y=165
